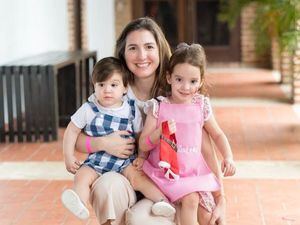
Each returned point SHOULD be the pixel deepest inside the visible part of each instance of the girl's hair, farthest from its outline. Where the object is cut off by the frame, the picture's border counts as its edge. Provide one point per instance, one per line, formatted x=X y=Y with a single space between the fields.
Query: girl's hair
x=194 y=55
x=105 y=68
x=145 y=23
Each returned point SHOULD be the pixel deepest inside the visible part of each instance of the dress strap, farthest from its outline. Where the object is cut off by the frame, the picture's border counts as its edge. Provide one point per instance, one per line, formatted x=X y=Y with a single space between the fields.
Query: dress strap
x=93 y=106
x=131 y=103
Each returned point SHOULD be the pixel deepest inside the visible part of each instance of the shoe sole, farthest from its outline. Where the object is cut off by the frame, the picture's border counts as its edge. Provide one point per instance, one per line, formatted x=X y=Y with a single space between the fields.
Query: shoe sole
x=163 y=209
x=73 y=203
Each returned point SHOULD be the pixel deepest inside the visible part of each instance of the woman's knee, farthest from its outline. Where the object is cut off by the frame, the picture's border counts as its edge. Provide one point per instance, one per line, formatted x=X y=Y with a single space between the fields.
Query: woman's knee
x=136 y=178
x=190 y=200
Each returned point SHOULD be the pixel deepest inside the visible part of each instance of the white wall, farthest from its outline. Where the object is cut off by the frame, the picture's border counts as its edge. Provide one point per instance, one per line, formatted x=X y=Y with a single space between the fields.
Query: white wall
x=101 y=27
x=29 y=27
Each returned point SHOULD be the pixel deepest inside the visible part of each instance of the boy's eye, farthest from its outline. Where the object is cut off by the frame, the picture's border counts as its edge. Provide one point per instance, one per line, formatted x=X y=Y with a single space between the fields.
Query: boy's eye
x=101 y=84
x=114 y=85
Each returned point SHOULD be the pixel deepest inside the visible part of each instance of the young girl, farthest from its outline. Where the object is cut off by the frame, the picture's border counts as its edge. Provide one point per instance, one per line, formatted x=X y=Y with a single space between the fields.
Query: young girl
x=105 y=112
x=187 y=110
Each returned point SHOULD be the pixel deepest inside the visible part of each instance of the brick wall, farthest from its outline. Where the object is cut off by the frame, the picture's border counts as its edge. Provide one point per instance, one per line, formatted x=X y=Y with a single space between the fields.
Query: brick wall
x=72 y=25
x=123 y=14
x=249 y=56
x=296 y=71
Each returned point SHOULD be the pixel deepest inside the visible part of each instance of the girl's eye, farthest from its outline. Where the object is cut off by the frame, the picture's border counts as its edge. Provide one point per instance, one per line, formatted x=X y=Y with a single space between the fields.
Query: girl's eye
x=114 y=85
x=101 y=84
x=178 y=79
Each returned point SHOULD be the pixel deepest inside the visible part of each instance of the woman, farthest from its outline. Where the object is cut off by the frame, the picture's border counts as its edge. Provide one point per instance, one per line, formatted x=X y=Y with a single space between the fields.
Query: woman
x=143 y=49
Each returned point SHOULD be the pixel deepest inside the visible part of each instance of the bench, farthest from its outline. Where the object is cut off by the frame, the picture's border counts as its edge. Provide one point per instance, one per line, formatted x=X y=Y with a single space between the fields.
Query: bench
x=39 y=93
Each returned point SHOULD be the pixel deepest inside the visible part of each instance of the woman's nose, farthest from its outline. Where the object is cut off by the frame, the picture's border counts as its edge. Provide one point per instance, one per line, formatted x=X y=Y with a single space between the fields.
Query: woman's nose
x=142 y=54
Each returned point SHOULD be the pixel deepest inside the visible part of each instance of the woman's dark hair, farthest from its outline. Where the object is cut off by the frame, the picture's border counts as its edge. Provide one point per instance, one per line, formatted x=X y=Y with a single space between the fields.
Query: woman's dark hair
x=145 y=23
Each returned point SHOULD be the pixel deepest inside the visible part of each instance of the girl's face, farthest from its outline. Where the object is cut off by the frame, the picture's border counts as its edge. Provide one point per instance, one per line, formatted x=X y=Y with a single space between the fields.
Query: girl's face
x=185 y=81
x=109 y=93
x=141 y=53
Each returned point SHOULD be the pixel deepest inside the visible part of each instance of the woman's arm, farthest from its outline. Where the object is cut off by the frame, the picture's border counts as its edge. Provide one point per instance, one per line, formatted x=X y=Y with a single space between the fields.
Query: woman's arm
x=113 y=144
x=150 y=134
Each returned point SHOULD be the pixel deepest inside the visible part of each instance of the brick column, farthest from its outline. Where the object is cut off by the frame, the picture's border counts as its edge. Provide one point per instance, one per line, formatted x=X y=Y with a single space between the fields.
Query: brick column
x=123 y=14
x=248 y=52
x=286 y=68
x=296 y=70
x=71 y=24
x=75 y=23
x=83 y=24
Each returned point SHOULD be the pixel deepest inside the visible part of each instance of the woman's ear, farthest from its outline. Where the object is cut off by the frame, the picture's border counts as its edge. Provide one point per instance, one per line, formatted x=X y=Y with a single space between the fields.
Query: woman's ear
x=168 y=78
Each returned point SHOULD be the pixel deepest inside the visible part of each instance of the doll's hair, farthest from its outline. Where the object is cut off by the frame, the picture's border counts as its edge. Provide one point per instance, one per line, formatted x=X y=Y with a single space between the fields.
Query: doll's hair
x=194 y=55
x=145 y=23
x=105 y=68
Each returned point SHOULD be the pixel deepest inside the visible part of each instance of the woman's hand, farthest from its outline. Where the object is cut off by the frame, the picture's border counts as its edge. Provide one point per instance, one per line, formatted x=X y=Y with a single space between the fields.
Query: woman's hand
x=118 y=146
x=218 y=215
x=72 y=163
x=138 y=163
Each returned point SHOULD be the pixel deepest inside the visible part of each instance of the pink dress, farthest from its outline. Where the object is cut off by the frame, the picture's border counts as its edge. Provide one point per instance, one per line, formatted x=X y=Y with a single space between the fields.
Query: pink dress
x=195 y=176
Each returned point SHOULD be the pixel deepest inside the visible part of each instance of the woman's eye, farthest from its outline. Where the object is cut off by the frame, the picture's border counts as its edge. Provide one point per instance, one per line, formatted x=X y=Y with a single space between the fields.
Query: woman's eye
x=131 y=48
x=150 y=47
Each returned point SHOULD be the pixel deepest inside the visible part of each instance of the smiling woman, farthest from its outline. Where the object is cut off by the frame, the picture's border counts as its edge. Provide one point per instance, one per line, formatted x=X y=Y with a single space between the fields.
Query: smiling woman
x=144 y=52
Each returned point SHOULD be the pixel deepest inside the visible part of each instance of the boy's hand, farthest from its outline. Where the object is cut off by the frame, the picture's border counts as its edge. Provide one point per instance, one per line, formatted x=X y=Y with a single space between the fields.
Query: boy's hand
x=228 y=167
x=172 y=126
x=138 y=163
x=72 y=163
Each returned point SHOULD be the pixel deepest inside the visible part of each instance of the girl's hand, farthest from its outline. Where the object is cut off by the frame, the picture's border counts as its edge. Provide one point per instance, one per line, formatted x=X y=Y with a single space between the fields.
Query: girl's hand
x=172 y=126
x=138 y=163
x=72 y=164
x=119 y=146
x=228 y=167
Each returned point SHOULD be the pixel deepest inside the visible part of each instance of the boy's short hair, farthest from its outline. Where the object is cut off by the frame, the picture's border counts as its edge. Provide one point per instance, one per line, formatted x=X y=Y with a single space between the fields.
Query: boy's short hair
x=105 y=68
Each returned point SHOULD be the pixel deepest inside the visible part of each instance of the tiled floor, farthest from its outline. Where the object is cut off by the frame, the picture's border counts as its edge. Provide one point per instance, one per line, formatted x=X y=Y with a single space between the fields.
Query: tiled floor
x=261 y=126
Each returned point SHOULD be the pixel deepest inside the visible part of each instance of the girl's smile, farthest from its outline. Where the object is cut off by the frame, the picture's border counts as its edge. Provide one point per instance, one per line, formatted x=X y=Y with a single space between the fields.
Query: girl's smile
x=185 y=82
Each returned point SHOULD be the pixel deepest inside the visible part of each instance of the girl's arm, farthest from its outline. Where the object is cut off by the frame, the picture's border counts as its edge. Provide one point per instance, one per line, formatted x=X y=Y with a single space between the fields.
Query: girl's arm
x=113 y=144
x=150 y=134
x=69 y=140
x=221 y=141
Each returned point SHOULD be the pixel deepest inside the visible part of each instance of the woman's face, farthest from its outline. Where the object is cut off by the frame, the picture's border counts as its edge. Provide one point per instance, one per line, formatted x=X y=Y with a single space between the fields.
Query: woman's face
x=141 y=53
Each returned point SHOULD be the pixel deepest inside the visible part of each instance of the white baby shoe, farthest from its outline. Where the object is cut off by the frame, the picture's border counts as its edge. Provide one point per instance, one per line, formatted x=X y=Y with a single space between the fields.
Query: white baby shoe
x=163 y=208
x=72 y=202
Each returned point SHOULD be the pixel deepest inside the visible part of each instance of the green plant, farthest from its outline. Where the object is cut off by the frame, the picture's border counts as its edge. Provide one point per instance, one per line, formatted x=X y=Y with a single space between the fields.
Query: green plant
x=274 y=19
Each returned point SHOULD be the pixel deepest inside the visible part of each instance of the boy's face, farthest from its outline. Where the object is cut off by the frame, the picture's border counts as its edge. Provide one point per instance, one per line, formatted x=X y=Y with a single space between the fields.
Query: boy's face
x=109 y=93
